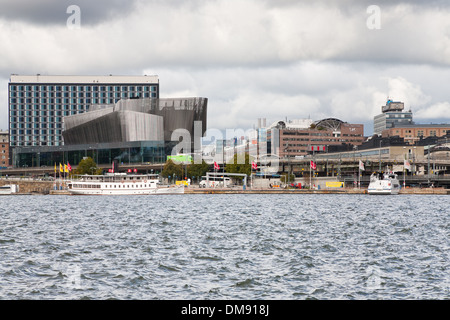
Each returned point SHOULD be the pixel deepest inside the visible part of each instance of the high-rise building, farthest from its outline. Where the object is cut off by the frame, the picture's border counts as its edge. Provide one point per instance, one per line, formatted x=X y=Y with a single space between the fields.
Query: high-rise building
x=392 y=114
x=37 y=104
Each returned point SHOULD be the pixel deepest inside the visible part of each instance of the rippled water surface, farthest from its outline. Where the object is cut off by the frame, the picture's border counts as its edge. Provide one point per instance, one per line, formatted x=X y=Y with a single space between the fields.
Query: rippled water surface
x=225 y=247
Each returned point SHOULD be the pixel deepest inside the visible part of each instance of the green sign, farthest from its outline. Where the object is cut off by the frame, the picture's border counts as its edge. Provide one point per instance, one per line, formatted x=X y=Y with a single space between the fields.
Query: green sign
x=184 y=158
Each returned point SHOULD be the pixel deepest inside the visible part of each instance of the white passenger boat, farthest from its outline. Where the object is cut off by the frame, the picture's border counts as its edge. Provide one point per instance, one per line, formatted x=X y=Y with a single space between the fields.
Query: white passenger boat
x=9 y=189
x=120 y=184
x=386 y=183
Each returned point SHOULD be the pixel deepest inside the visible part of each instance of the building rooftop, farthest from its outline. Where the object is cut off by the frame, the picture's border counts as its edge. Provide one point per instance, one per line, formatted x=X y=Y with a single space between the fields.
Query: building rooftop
x=393 y=106
x=422 y=125
x=82 y=79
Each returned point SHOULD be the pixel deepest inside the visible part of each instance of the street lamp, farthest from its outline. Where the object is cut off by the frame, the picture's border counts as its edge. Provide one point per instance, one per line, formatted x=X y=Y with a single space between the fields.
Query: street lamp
x=404 y=168
x=287 y=158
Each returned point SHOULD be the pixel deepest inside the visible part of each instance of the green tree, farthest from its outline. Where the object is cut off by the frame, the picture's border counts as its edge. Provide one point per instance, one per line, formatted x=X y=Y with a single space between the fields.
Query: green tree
x=236 y=167
x=287 y=178
x=171 y=169
x=87 y=166
x=197 y=169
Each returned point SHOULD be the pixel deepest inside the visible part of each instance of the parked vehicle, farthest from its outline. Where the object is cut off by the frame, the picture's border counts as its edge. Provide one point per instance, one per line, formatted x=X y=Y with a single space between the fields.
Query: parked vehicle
x=215 y=182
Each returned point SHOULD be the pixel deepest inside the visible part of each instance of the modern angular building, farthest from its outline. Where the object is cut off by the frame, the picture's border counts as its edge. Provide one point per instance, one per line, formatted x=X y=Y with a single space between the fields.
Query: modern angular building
x=136 y=120
x=131 y=131
x=37 y=104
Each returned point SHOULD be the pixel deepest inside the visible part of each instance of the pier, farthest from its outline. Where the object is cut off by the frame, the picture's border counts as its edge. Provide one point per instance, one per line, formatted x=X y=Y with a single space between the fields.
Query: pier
x=30 y=186
x=423 y=179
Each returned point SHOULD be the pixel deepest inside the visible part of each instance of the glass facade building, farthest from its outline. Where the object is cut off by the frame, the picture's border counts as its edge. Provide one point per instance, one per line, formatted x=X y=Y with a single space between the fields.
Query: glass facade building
x=135 y=152
x=38 y=104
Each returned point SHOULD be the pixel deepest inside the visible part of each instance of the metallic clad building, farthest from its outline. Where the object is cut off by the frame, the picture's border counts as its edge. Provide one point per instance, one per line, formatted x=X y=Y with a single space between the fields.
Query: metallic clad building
x=130 y=131
x=136 y=120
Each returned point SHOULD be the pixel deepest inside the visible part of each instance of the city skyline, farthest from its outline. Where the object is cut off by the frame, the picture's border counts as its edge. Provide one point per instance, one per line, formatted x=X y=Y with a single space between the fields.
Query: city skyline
x=252 y=59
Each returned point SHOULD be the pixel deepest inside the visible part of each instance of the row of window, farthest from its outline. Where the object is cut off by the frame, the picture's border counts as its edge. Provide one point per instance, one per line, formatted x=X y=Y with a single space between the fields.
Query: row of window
x=138 y=88
x=58 y=95
x=36 y=125
x=40 y=115
x=96 y=98
x=16 y=107
x=35 y=144
x=421 y=133
x=20 y=132
x=399 y=116
x=112 y=186
x=20 y=121
x=31 y=140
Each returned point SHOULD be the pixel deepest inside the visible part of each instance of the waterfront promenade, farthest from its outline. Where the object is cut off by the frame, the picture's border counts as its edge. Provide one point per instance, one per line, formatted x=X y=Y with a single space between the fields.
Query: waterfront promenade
x=33 y=186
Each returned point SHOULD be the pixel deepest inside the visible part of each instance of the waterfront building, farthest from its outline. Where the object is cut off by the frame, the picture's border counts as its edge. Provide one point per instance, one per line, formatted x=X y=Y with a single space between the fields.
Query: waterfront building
x=131 y=131
x=37 y=104
x=4 y=149
x=385 y=152
x=413 y=133
x=299 y=138
x=392 y=115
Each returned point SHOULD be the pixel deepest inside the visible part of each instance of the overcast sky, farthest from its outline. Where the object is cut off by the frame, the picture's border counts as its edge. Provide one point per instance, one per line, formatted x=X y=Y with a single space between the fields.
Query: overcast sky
x=251 y=58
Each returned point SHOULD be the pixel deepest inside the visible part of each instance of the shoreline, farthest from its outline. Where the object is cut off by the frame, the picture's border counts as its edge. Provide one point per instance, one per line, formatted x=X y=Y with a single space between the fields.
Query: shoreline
x=307 y=191
x=419 y=191
x=46 y=188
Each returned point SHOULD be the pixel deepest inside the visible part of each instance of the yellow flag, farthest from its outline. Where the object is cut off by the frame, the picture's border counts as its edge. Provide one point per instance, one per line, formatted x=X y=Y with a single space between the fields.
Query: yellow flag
x=55 y=167
x=60 y=168
x=65 y=168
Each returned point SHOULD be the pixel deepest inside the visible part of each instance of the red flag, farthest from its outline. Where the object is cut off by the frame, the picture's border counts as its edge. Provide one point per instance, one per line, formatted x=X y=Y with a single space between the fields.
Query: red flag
x=313 y=165
x=361 y=165
x=216 y=166
x=254 y=165
x=69 y=166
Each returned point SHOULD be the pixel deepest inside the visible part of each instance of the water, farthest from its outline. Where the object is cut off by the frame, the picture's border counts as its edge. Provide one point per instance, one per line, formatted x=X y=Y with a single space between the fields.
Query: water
x=225 y=247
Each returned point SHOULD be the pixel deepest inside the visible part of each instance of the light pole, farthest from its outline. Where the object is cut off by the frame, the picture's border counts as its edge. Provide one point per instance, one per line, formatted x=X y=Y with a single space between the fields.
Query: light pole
x=404 y=167
x=379 y=159
x=287 y=171
x=428 y=160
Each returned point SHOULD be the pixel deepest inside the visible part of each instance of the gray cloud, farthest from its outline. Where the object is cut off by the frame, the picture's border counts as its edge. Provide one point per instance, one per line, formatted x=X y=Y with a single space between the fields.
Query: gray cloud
x=252 y=59
x=54 y=12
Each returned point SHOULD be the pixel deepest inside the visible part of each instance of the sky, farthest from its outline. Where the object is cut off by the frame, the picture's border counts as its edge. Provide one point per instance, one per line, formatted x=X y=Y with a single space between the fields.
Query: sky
x=252 y=59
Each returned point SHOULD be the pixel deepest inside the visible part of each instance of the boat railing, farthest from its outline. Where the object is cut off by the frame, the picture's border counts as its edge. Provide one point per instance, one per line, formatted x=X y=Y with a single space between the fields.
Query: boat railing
x=115 y=177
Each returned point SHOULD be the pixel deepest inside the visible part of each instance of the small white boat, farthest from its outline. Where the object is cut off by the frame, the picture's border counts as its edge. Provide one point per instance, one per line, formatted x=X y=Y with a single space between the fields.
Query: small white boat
x=9 y=189
x=386 y=183
x=120 y=184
